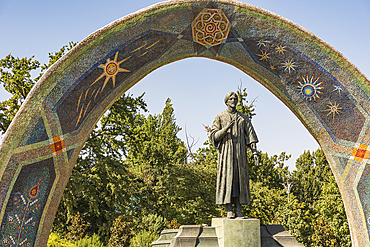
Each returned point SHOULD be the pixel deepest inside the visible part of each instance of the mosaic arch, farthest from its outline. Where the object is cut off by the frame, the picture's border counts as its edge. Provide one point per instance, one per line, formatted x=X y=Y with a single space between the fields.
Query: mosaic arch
x=321 y=87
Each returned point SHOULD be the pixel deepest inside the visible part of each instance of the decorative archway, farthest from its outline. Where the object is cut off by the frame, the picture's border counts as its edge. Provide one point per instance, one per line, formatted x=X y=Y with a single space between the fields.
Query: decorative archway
x=321 y=87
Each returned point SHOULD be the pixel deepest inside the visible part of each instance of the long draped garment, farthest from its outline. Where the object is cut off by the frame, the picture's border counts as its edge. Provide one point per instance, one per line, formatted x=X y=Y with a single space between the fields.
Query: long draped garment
x=232 y=163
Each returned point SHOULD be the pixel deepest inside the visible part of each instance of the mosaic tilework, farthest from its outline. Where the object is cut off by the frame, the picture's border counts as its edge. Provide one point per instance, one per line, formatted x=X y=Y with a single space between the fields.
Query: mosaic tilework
x=323 y=89
x=210 y=27
x=26 y=204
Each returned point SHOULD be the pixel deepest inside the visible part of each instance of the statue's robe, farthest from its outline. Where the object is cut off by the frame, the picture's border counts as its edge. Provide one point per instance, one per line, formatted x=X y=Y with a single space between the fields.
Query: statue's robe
x=232 y=164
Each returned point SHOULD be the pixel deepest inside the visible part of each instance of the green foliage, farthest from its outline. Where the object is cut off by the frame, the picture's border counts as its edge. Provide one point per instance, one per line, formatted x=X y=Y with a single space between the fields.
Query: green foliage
x=271 y=171
x=143 y=239
x=325 y=221
x=154 y=151
x=192 y=190
x=242 y=105
x=99 y=187
x=312 y=170
x=323 y=236
x=93 y=241
x=265 y=203
x=77 y=229
x=152 y=223
x=296 y=217
x=331 y=214
x=121 y=233
x=172 y=224
x=56 y=241
x=15 y=76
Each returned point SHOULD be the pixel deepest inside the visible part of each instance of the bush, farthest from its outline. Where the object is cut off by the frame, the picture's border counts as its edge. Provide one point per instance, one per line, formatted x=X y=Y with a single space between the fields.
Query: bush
x=152 y=223
x=87 y=241
x=56 y=241
x=143 y=239
x=120 y=233
x=77 y=229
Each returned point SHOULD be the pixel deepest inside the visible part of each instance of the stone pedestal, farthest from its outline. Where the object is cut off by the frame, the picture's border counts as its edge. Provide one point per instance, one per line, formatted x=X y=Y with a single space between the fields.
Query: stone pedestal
x=165 y=238
x=237 y=232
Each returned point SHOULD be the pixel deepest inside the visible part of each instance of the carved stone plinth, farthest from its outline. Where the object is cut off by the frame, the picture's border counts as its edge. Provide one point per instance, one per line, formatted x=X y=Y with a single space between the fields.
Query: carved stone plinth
x=226 y=232
x=237 y=232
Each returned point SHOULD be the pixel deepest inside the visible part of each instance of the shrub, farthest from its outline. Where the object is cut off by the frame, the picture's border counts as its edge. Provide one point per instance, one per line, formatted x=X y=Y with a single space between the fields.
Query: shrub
x=87 y=241
x=143 y=239
x=56 y=241
x=120 y=233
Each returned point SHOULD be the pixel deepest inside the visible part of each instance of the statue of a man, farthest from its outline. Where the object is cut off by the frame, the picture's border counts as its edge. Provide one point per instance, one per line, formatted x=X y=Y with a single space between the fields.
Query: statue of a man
x=232 y=132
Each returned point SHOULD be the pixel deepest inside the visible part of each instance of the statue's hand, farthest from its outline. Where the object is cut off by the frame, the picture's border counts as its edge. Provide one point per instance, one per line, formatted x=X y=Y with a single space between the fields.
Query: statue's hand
x=229 y=124
x=256 y=160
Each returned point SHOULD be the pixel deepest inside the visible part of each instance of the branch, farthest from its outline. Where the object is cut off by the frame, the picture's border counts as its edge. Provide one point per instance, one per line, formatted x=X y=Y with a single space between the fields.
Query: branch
x=190 y=145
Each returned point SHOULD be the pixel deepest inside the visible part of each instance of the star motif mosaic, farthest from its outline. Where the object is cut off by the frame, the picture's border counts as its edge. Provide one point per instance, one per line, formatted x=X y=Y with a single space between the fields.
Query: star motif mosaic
x=262 y=42
x=333 y=109
x=210 y=27
x=338 y=89
x=280 y=49
x=264 y=55
x=289 y=65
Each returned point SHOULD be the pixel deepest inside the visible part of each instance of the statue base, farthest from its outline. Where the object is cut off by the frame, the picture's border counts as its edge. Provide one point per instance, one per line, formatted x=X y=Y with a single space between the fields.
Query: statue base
x=237 y=232
x=226 y=232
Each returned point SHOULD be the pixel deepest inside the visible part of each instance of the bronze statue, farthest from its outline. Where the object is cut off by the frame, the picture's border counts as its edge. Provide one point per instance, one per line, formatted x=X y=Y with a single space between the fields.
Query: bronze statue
x=232 y=132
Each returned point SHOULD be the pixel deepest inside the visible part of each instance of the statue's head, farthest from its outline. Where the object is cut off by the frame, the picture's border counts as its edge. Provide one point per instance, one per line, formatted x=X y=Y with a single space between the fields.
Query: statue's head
x=231 y=99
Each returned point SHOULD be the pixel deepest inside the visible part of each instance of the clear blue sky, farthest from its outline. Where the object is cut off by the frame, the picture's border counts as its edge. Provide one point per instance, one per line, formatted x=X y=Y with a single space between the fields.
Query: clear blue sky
x=38 y=27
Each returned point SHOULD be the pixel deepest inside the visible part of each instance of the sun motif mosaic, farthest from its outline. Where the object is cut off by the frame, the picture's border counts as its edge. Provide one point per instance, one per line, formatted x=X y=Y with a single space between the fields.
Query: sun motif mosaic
x=111 y=69
x=210 y=27
x=310 y=88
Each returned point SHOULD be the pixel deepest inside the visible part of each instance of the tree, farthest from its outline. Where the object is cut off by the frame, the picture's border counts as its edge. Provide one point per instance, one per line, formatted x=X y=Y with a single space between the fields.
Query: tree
x=242 y=105
x=77 y=229
x=147 y=230
x=154 y=150
x=121 y=233
x=100 y=184
x=15 y=76
x=331 y=215
x=271 y=171
x=317 y=190
x=323 y=235
x=312 y=170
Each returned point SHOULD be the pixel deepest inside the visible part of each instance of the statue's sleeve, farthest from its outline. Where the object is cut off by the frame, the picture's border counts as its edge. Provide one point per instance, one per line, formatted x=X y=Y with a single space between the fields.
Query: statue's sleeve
x=251 y=134
x=216 y=126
